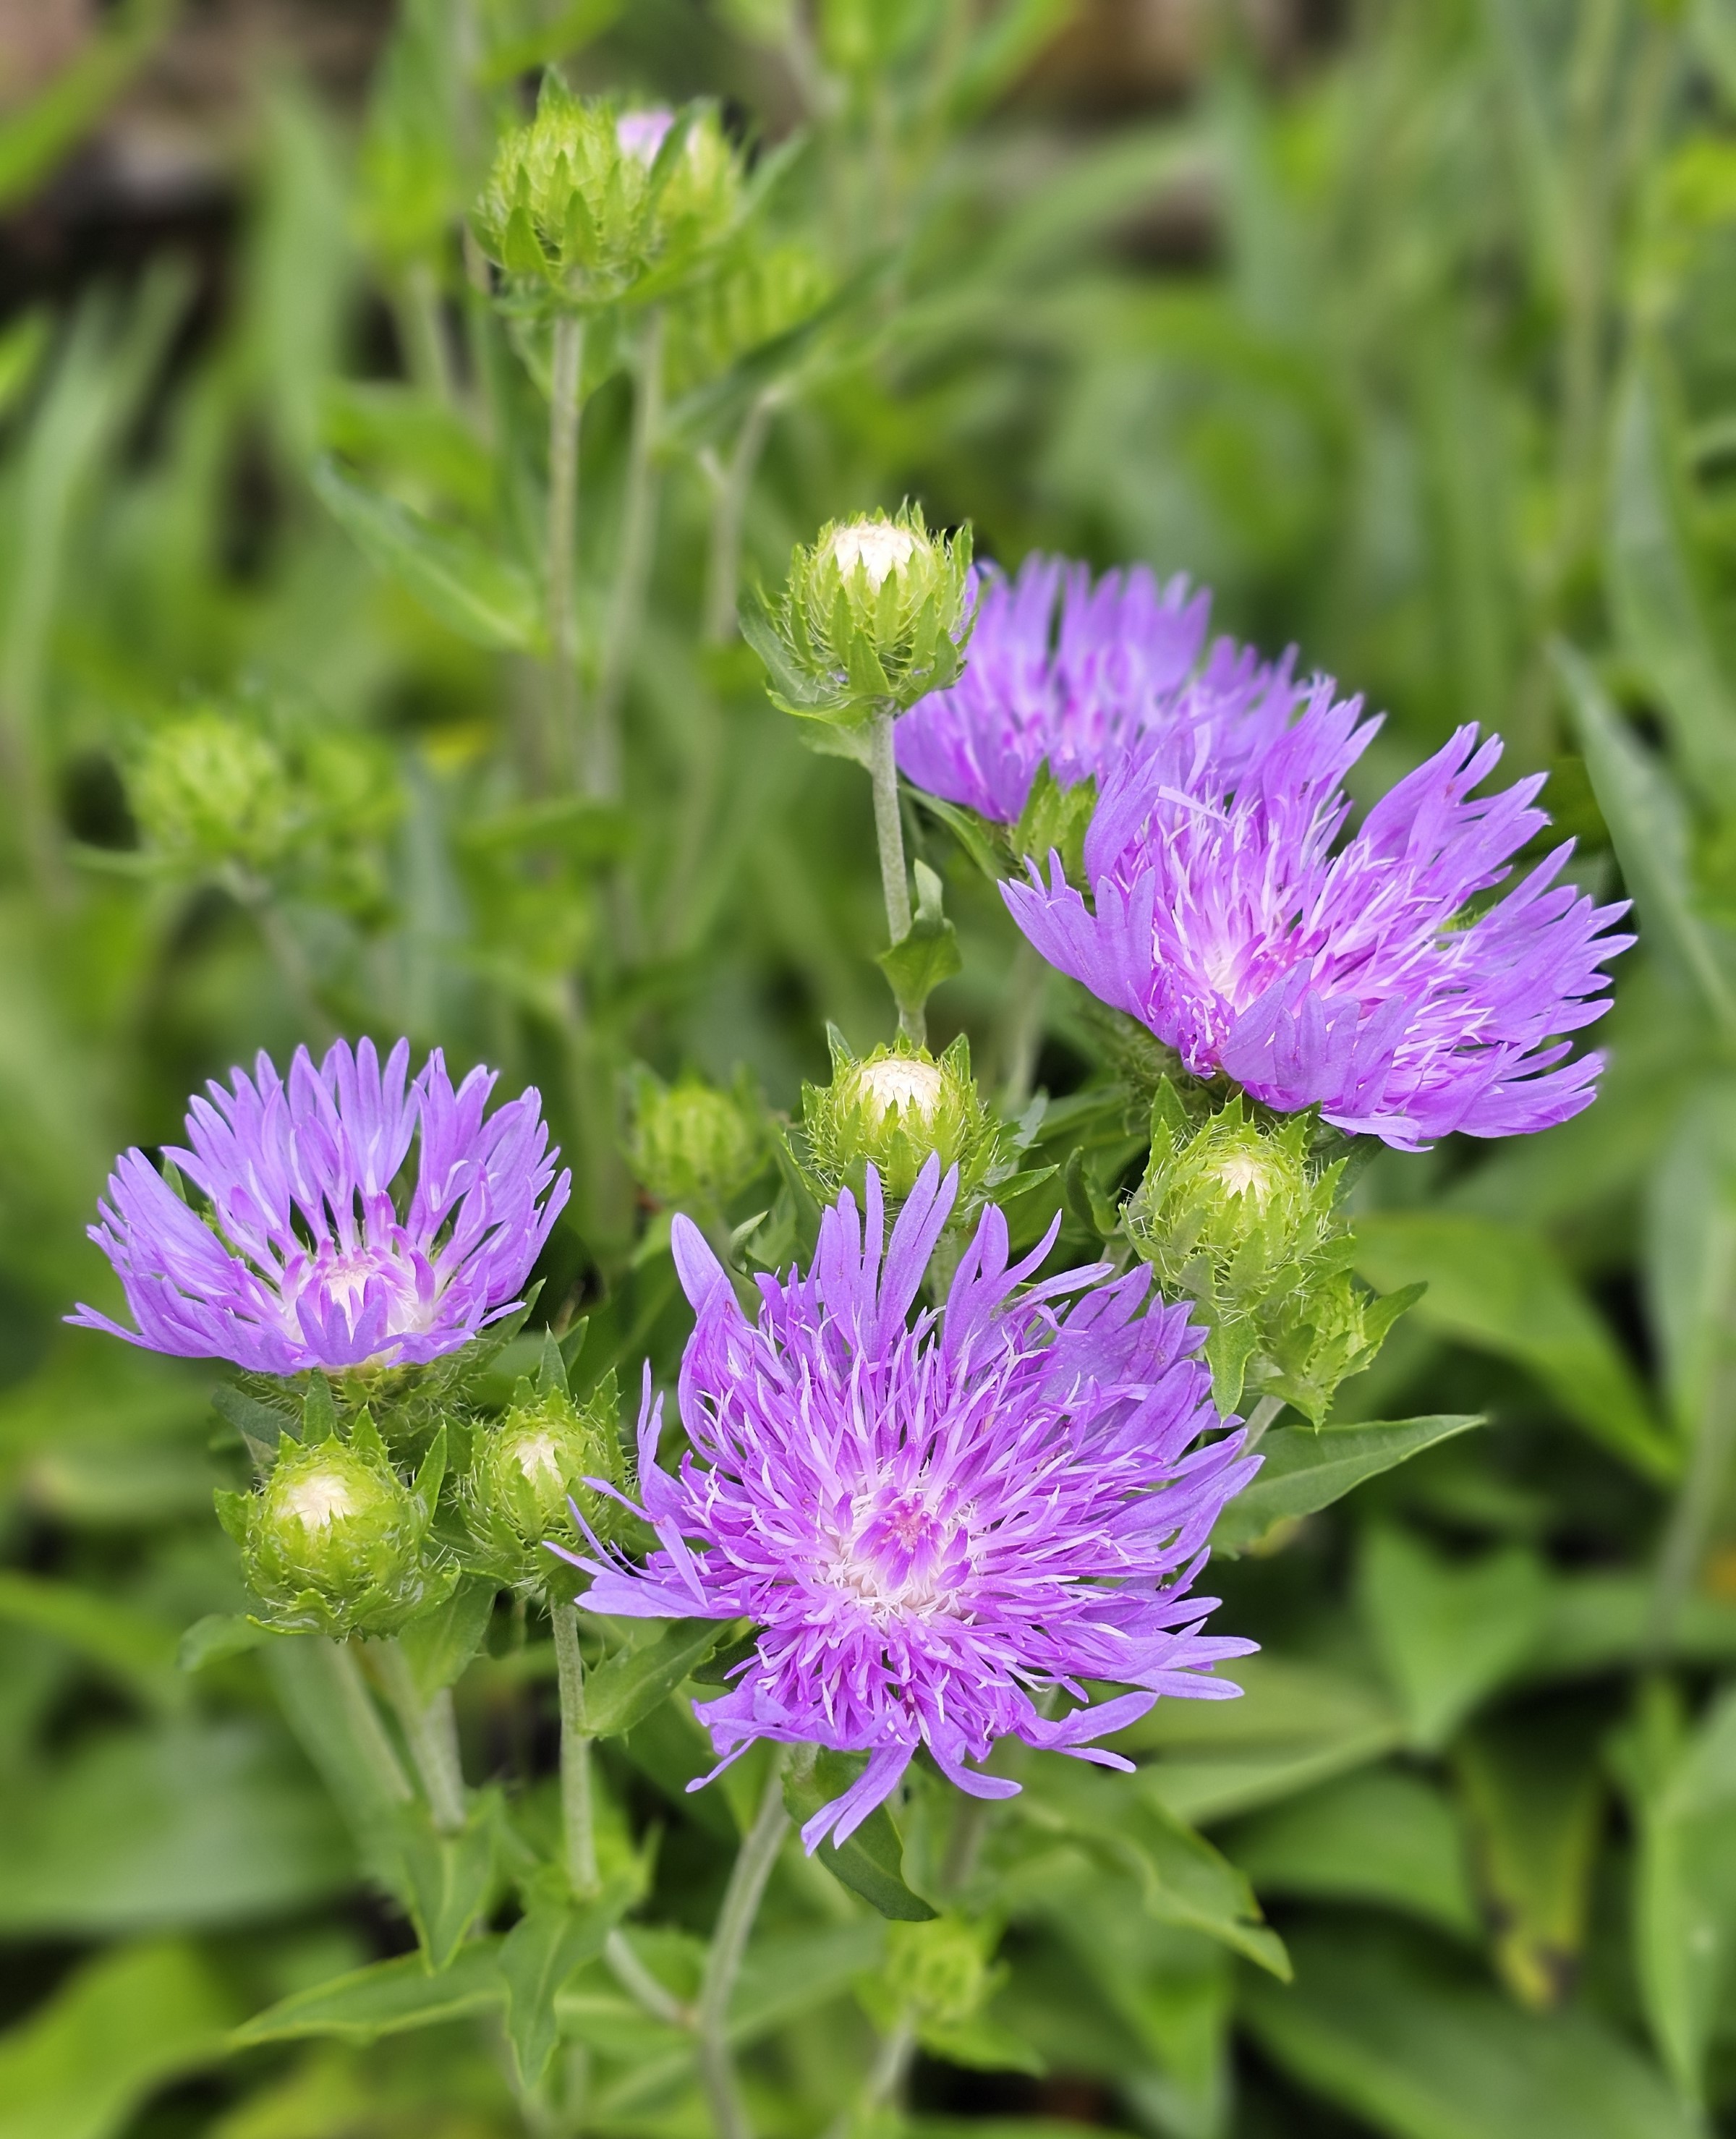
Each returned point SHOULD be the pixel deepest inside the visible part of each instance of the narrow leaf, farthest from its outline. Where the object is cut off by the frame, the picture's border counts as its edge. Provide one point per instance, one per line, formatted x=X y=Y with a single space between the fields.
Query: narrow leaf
x=389 y=1998
x=871 y=1861
x=629 y=1686
x=1306 y=1469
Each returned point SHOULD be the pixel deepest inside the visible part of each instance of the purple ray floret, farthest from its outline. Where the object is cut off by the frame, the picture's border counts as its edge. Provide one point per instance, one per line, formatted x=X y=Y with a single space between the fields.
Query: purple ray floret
x=1071 y=671
x=1226 y=916
x=936 y=1525
x=306 y=1257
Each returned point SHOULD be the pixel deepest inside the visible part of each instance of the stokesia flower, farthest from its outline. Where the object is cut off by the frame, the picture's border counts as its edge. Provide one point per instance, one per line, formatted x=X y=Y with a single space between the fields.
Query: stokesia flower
x=1066 y=671
x=934 y=1527
x=307 y=1253
x=1372 y=979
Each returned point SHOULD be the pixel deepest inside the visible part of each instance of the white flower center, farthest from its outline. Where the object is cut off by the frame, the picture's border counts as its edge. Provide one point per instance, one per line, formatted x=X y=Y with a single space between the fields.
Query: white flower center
x=900 y=1558
x=877 y=546
x=319 y=1499
x=895 y=1081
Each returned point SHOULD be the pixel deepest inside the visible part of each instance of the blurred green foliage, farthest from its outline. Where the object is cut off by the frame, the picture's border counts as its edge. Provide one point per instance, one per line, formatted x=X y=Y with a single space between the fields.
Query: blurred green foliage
x=1422 y=356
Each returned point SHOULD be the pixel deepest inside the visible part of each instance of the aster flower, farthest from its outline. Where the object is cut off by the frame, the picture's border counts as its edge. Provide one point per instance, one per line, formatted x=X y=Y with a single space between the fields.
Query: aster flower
x=934 y=1526
x=1372 y=980
x=1071 y=672
x=307 y=1257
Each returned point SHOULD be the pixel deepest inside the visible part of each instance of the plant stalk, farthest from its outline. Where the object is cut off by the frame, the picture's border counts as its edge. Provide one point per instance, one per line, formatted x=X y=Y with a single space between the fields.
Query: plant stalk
x=627 y=602
x=375 y=1748
x=578 y=1807
x=729 y=510
x=754 y=1861
x=1258 y=1419
x=1698 y=1502
x=889 y=832
x=567 y=371
x=1021 y=1027
x=430 y=1731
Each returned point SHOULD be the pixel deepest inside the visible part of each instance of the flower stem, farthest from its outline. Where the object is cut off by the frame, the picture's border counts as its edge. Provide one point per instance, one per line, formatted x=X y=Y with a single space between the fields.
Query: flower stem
x=729 y=509
x=1258 y=1419
x=754 y=1861
x=1021 y=1027
x=577 y=1806
x=566 y=376
x=1698 y=1502
x=430 y=1731
x=369 y=1735
x=889 y=832
x=627 y=602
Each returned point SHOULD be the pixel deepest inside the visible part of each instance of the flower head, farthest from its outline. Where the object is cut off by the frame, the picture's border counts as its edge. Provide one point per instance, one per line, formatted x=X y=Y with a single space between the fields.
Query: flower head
x=1070 y=672
x=307 y=1257
x=932 y=1524
x=892 y=1110
x=1372 y=979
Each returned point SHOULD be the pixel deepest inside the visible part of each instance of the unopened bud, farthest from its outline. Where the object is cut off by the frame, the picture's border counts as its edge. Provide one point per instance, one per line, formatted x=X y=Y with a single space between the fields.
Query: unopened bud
x=873 y=615
x=893 y=1109
x=531 y=1467
x=937 y=1977
x=208 y=789
x=333 y=1542
x=691 y=1144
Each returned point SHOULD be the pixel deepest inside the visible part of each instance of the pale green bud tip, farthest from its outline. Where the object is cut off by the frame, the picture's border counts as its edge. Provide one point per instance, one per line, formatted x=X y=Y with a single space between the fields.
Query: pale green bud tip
x=528 y=1467
x=210 y=789
x=333 y=1541
x=891 y=1110
x=888 y=1083
x=876 y=547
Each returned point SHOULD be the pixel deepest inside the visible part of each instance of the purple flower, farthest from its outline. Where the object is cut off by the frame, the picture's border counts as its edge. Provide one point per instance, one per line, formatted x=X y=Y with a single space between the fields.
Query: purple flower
x=1358 y=978
x=934 y=1526
x=641 y=134
x=1119 y=662
x=307 y=1258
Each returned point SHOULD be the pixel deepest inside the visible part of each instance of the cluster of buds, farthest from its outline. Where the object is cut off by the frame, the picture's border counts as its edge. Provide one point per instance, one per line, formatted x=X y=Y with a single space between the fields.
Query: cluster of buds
x=689 y=1144
x=935 y=1980
x=1237 y=1214
x=873 y=615
x=587 y=203
x=336 y=1541
x=530 y=1468
x=764 y=294
x=892 y=1110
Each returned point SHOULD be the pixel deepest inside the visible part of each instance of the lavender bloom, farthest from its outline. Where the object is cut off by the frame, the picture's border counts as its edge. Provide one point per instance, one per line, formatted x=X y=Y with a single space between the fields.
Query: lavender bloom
x=1118 y=663
x=305 y=1261
x=931 y=1525
x=1222 y=919
x=641 y=134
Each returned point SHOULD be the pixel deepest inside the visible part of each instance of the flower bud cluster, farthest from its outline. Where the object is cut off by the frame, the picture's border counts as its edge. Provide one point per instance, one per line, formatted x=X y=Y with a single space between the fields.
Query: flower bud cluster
x=760 y=294
x=892 y=1109
x=874 y=614
x=334 y=1542
x=527 y=1470
x=1237 y=1214
x=588 y=203
x=690 y=1144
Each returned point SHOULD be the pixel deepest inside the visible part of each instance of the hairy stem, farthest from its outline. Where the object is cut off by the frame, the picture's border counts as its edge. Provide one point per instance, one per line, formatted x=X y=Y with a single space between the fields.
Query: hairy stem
x=729 y=509
x=566 y=376
x=633 y=573
x=1021 y=1027
x=1258 y=1419
x=638 y=1981
x=430 y=1731
x=369 y=1734
x=577 y=1806
x=1698 y=1502
x=754 y=1861
x=889 y=832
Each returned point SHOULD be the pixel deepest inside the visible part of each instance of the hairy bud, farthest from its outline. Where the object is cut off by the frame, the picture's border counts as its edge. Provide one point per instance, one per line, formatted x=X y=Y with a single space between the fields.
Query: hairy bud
x=691 y=1144
x=892 y=1109
x=528 y=1469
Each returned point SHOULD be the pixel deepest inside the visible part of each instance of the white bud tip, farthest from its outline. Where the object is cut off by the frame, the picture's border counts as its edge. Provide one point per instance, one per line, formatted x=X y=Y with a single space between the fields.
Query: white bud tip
x=896 y=1080
x=877 y=545
x=1243 y=1174
x=538 y=1457
x=319 y=1499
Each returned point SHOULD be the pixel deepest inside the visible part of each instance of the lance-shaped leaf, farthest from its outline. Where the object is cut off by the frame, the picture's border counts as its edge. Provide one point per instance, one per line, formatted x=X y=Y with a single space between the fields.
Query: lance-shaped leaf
x=388 y=1998
x=555 y=1935
x=1306 y=1469
x=871 y=1861
x=625 y=1689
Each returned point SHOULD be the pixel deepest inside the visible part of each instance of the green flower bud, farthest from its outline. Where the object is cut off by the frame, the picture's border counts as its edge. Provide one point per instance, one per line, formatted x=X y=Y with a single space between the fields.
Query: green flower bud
x=586 y=200
x=764 y=294
x=936 y=1979
x=333 y=1542
x=524 y=1469
x=892 y=1110
x=872 y=615
x=1238 y=1214
x=210 y=789
x=692 y=1144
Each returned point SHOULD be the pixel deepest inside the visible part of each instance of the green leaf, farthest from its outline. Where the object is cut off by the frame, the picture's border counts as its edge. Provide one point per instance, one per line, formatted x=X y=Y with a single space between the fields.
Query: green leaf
x=1690 y=1251
x=555 y=1936
x=1684 y=1898
x=259 y=1426
x=390 y=1998
x=1420 y=2051
x=1306 y=1469
x=218 y=1636
x=470 y=589
x=626 y=1687
x=1648 y=824
x=439 y=1645
x=211 y=1824
x=1449 y=1632
x=916 y=964
x=1660 y=612
x=871 y=1861
x=132 y=1649
x=1386 y=1837
x=85 y=2061
x=1503 y=1290
x=446 y=1878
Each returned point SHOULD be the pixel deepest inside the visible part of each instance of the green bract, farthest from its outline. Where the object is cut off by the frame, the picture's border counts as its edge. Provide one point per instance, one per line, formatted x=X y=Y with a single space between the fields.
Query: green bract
x=892 y=1110
x=689 y=1144
x=333 y=1541
x=872 y=615
x=1237 y=1214
x=526 y=1467
x=581 y=206
x=208 y=789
